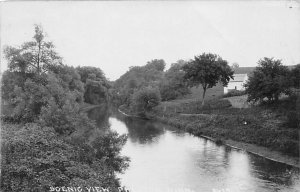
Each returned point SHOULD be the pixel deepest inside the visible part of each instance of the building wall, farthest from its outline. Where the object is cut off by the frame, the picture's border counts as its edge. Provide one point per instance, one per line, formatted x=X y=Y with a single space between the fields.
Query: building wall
x=236 y=85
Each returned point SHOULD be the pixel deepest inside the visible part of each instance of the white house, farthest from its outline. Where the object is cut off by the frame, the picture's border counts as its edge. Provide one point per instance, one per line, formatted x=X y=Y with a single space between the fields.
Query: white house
x=237 y=83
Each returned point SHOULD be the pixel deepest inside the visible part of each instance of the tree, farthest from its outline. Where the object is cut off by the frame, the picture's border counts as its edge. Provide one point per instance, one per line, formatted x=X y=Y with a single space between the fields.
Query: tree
x=94 y=73
x=138 y=77
x=235 y=66
x=157 y=64
x=173 y=85
x=35 y=56
x=96 y=84
x=145 y=99
x=207 y=70
x=269 y=80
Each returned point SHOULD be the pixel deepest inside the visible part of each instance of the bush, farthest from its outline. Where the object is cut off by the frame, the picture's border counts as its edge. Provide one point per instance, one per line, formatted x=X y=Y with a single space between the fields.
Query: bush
x=145 y=99
x=33 y=158
x=217 y=104
x=269 y=80
x=234 y=93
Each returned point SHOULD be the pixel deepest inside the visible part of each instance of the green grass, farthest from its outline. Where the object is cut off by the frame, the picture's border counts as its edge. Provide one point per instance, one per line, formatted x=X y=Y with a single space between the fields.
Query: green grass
x=265 y=125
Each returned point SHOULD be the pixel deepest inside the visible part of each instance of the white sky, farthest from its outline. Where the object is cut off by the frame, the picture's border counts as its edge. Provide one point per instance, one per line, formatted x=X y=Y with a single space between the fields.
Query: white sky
x=119 y=34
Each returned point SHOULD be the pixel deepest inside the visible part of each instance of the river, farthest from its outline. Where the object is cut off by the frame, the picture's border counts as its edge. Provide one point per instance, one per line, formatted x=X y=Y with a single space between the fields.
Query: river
x=165 y=159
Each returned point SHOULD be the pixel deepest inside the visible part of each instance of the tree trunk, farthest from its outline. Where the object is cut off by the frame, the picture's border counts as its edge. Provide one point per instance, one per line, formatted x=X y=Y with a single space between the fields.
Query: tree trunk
x=203 y=96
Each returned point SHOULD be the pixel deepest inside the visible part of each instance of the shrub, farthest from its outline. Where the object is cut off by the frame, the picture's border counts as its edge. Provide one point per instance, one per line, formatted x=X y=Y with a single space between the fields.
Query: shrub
x=234 y=93
x=269 y=80
x=145 y=99
x=33 y=158
x=217 y=104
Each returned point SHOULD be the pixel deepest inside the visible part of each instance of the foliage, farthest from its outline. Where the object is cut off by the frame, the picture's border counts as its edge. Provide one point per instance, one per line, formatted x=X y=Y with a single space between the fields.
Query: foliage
x=207 y=70
x=66 y=118
x=46 y=152
x=96 y=84
x=269 y=80
x=35 y=159
x=27 y=102
x=108 y=148
x=70 y=79
x=32 y=57
x=136 y=78
x=95 y=92
x=94 y=73
x=8 y=82
x=145 y=99
x=156 y=64
x=235 y=66
x=173 y=85
x=234 y=92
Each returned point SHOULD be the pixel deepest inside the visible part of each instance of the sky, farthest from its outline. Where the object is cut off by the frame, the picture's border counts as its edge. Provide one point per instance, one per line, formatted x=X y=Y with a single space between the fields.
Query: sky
x=115 y=35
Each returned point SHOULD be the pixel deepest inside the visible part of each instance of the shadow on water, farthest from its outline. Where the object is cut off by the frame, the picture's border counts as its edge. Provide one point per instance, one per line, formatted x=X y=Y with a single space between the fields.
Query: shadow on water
x=140 y=130
x=100 y=115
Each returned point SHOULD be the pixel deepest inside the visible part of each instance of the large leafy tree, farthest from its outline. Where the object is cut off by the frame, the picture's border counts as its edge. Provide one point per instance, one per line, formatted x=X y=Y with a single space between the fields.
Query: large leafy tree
x=96 y=84
x=207 y=70
x=173 y=85
x=157 y=64
x=136 y=78
x=35 y=56
x=269 y=80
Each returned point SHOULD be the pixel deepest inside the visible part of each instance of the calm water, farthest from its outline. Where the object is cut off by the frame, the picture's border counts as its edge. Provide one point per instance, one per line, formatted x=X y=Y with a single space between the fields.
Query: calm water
x=165 y=159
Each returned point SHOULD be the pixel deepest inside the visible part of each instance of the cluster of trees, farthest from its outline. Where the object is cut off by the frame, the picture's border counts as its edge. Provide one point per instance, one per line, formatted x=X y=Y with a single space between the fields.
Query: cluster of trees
x=143 y=87
x=96 y=84
x=270 y=79
x=41 y=147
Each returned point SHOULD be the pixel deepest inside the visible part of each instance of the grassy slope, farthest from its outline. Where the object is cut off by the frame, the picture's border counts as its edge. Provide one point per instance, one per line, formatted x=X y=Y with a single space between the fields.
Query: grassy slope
x=265 y=124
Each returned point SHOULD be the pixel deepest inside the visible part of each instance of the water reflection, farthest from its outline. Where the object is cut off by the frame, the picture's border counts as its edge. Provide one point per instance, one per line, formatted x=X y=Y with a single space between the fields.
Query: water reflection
x=163 y=158
x=141 y=131
x=100 y=115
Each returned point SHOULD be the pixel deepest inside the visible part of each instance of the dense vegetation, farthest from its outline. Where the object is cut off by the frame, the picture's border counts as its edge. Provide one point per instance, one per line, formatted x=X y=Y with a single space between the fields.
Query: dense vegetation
x=42 y=145
x=151 y=81
x=269 y=80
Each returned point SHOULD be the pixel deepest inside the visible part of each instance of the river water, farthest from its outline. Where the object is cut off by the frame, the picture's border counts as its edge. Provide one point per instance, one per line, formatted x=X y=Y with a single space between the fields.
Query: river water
x=164 y=159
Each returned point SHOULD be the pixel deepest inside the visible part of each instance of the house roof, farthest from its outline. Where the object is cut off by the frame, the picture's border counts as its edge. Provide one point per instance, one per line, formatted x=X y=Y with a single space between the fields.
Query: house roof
x=238 y=77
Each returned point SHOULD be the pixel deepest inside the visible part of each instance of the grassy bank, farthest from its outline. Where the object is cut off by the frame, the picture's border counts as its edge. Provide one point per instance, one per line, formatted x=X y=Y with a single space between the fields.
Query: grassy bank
x=266 y=125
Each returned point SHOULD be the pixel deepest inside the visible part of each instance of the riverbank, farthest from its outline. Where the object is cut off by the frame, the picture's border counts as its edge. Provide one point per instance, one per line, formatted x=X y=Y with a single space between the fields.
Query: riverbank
x=260 y=130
